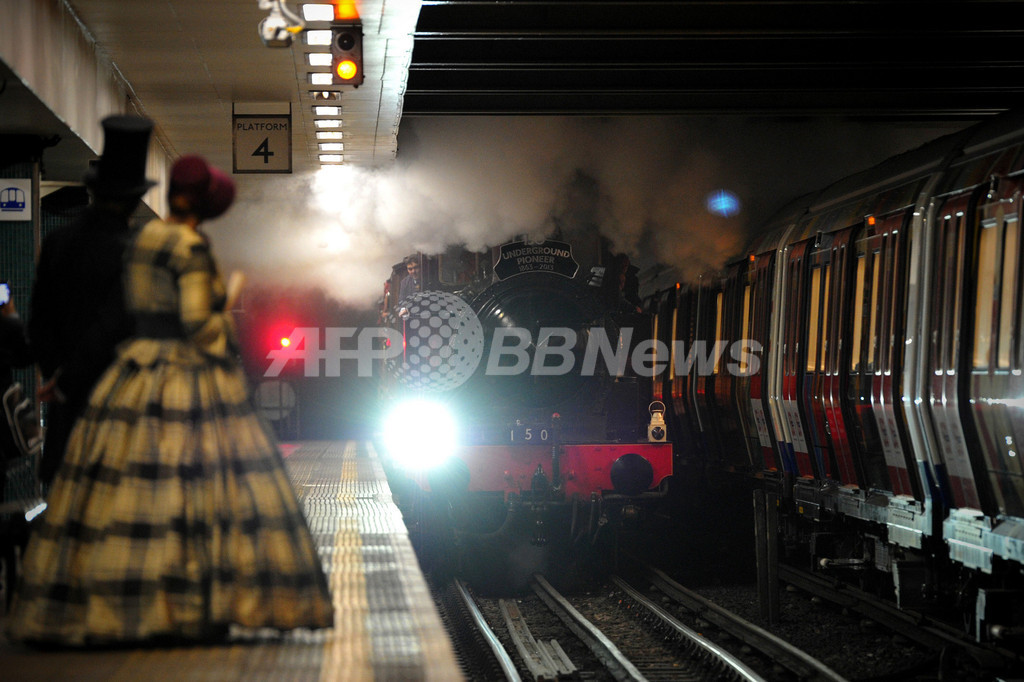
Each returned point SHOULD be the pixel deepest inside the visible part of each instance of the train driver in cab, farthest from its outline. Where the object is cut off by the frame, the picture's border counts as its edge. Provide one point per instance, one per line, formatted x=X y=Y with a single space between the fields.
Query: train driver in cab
x=411 y=284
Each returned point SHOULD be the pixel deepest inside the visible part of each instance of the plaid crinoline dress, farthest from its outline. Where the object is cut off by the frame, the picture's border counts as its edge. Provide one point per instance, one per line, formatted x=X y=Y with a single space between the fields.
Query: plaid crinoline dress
x=172 y=515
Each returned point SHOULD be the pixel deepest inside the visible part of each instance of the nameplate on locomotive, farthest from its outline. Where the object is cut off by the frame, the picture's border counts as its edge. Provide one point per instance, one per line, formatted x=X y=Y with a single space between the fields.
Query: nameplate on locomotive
x=517 y=258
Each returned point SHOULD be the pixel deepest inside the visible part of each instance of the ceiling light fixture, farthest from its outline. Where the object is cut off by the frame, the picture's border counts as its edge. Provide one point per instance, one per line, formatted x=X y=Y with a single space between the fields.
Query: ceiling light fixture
x=318 y=37
x=315 y=12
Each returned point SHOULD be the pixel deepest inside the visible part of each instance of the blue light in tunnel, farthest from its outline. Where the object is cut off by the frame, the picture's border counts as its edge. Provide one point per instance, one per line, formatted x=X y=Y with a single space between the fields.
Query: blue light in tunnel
x=723 y=202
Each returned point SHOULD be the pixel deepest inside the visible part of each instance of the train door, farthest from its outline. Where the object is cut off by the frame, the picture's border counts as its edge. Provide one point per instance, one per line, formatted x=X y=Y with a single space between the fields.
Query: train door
x=700 y=358
x=835 y=331
x=873 y=366
x=774 y=357
x=682 y=392
x=752 y=396
x=817 y=342
x=794 y=333
x=863 y=362
x=996 y=384
x=729 y=363
x=955 y=473
x=887 y=381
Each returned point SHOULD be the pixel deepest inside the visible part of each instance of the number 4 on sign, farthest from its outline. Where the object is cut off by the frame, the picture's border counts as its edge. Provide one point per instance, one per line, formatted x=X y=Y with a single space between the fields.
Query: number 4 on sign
x=264 y=150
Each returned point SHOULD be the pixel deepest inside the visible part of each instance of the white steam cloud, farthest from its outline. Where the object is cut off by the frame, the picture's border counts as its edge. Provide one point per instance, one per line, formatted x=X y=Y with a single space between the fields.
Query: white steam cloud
x=478 y=182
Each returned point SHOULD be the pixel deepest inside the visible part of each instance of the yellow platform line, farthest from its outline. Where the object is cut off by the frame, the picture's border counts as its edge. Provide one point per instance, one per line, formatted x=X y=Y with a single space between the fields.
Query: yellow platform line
x=348 y=651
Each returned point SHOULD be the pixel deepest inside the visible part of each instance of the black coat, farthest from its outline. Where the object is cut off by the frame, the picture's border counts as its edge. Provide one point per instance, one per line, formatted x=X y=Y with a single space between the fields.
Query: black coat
x=409 y=286
x=14 y=350
x=77 y=315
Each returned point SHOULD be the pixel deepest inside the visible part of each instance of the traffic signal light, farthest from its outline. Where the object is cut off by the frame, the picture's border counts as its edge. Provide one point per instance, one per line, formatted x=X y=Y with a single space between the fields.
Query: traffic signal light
x=347 y=54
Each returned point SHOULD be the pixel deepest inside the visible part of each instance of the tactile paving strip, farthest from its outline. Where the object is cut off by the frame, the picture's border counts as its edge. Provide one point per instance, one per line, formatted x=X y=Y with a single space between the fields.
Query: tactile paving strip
x=386 y=626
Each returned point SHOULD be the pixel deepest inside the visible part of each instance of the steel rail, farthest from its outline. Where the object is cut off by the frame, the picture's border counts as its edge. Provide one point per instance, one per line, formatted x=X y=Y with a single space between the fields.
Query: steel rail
x=500 y=655
x=732 y=666
x=785 y=654
x=616 y=663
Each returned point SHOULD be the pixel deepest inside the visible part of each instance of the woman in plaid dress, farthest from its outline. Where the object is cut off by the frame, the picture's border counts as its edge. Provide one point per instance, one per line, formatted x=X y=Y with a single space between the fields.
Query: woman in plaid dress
x=172 y=517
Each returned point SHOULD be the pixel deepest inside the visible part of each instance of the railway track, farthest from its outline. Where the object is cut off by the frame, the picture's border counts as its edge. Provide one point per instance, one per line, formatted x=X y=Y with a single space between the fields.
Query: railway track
x=615 y=633
x=797 y=662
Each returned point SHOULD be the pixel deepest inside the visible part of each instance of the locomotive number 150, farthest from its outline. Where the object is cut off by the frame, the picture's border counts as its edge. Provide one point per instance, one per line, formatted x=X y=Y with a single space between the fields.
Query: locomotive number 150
x=528 y=434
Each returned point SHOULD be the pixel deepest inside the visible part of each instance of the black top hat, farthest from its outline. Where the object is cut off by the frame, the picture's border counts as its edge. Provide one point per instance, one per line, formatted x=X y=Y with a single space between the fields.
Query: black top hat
x=121 y=169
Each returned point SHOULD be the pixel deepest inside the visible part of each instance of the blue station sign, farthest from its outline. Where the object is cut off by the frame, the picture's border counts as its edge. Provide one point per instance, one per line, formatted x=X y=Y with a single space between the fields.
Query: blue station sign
x=15 y=199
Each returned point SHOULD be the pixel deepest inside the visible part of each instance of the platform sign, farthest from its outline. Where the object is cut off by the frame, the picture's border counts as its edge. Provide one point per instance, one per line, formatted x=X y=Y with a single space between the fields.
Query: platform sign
x=15 y=199
x=262 y=143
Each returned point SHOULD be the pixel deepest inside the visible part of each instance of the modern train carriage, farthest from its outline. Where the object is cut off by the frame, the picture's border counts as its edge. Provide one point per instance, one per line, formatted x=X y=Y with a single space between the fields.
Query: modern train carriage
x=548 y=442
x=880 y=392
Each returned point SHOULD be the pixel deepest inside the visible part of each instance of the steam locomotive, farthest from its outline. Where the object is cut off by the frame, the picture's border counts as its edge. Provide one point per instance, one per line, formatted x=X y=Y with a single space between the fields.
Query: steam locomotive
x=881 y=407
x=546 y=441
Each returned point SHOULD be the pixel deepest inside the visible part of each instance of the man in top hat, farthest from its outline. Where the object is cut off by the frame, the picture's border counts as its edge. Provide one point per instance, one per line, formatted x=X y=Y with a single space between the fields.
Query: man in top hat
x=77 y=313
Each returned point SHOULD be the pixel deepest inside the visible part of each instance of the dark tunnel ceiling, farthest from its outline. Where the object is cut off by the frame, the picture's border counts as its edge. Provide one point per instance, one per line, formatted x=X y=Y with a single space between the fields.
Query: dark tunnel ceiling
x=915 y=60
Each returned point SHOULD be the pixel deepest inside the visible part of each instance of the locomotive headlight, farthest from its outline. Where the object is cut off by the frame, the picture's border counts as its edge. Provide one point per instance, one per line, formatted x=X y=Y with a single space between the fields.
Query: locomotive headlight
x=420 y=434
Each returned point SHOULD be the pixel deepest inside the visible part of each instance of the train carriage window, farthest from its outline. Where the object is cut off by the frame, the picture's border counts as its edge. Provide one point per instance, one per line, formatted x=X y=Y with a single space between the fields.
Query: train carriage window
x=761 y=306
x=836 y=296
x=938 y=302
x=678 y=335
x=984 y=295
x=675 y=337
x=457 y=266
x=745 y=331
x=884 y=272
x=858 y=314
x=957 y=266
x=872 y=349
x=794 y=311
x=813 y=319
x=1007 y=303
x=719 y=299
x=896 y=296
x=824 y=319
x=946 y=310
x=766 y=287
